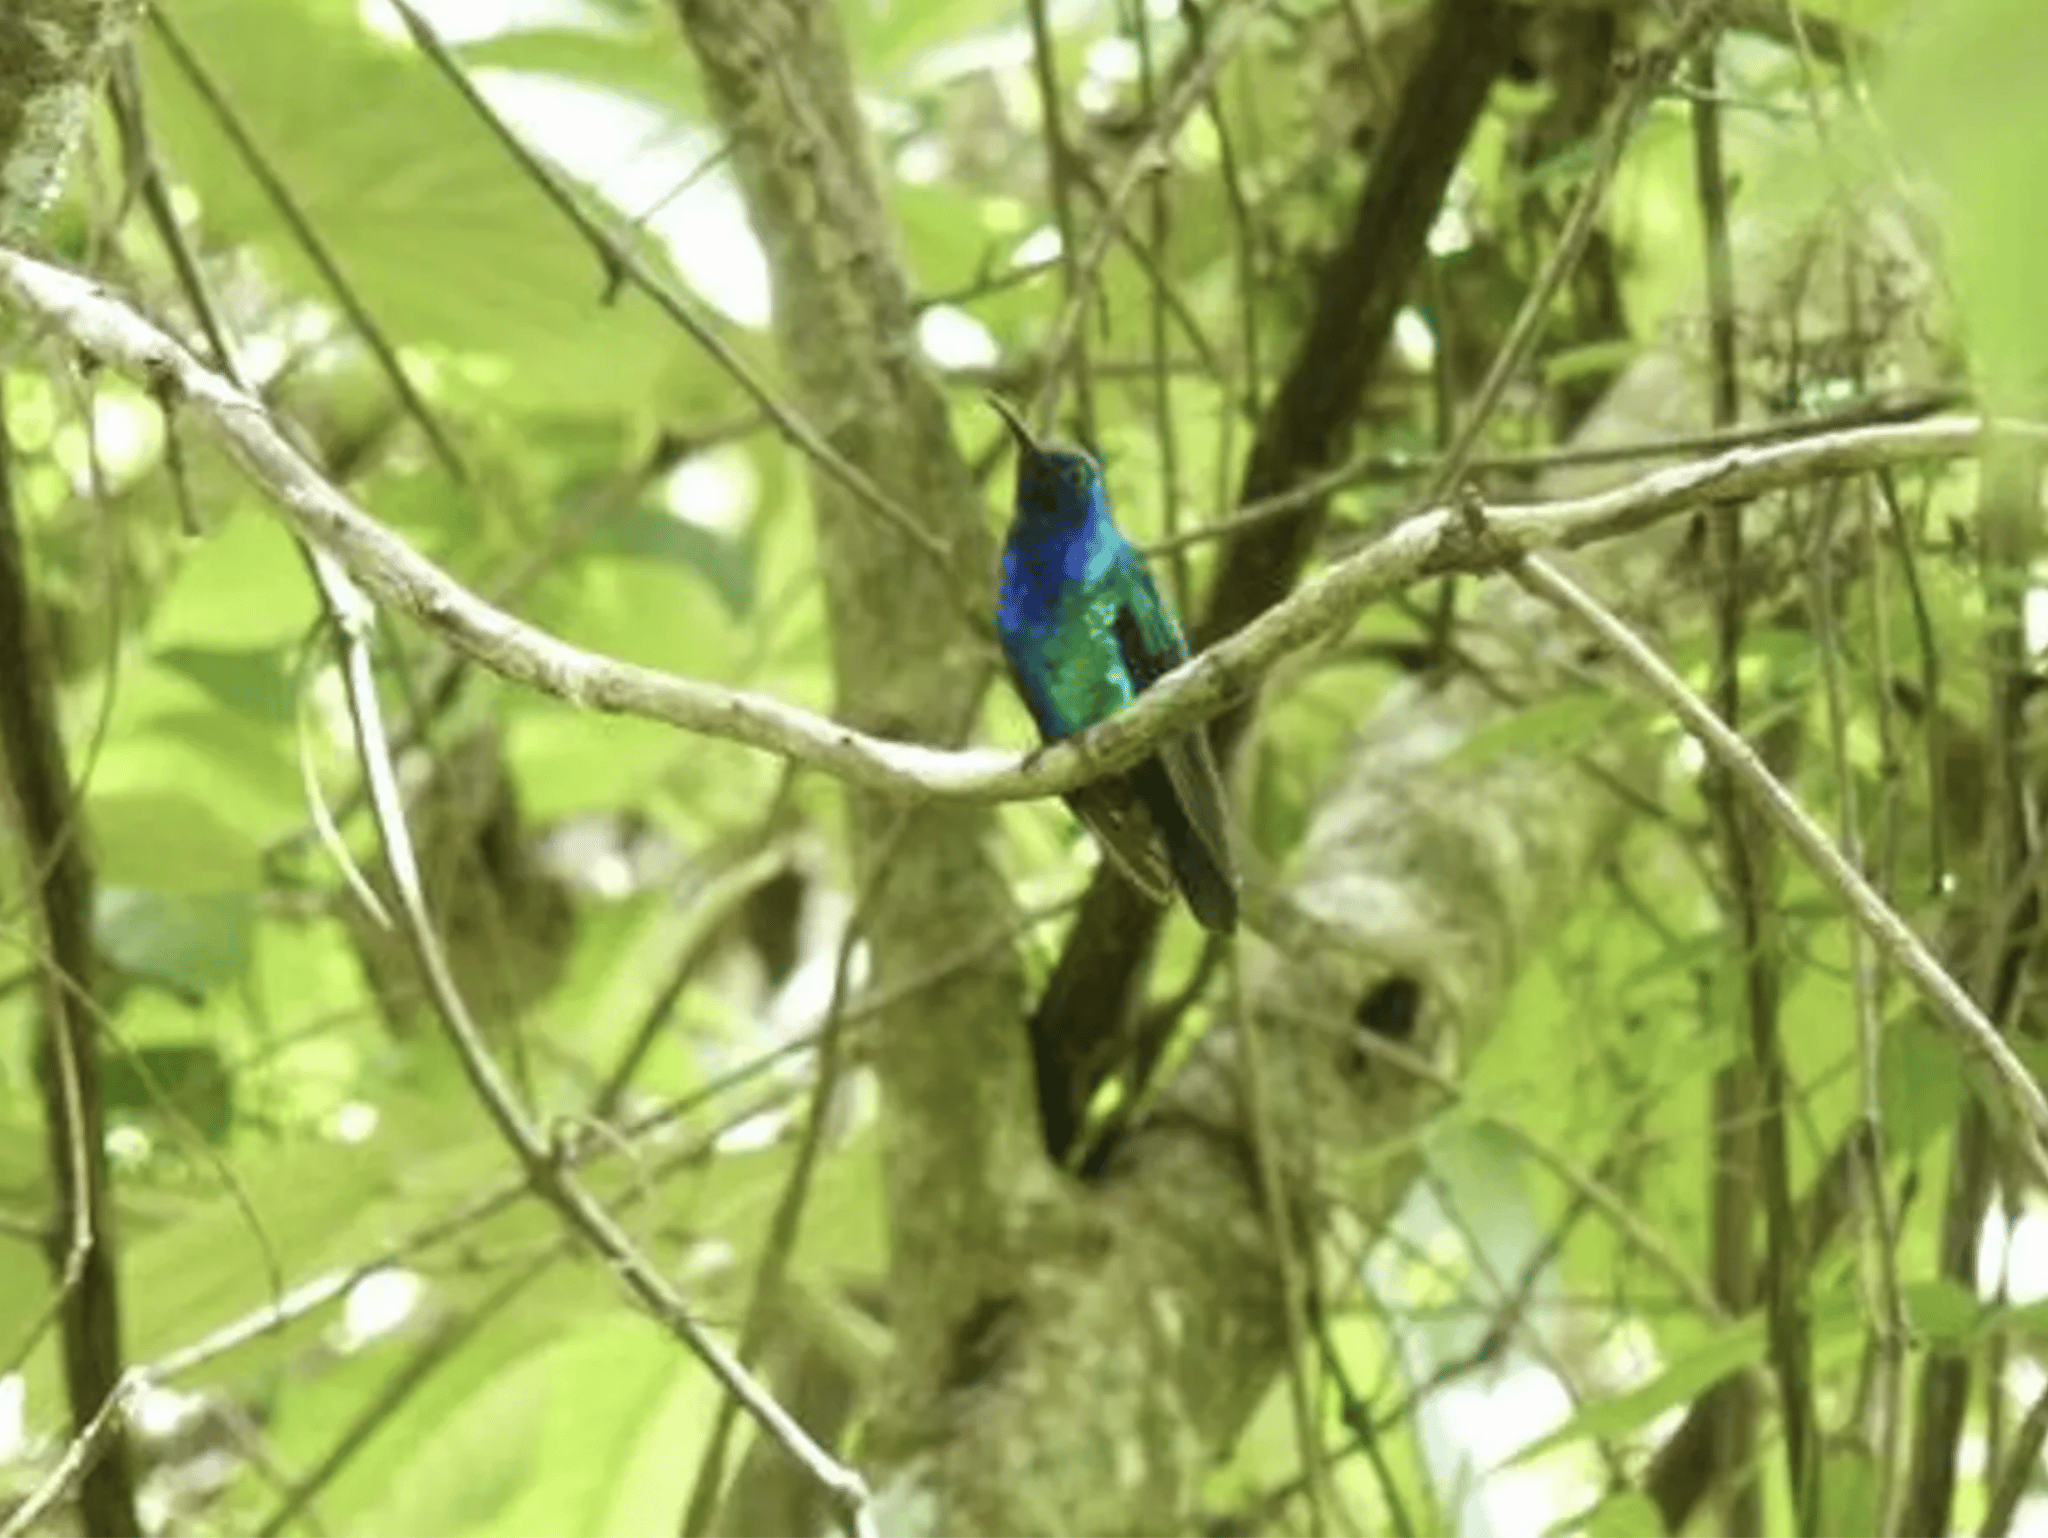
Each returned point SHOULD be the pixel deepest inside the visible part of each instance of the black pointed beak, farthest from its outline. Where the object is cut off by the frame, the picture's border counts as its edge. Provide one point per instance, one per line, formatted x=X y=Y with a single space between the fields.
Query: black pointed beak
x=1026 y=444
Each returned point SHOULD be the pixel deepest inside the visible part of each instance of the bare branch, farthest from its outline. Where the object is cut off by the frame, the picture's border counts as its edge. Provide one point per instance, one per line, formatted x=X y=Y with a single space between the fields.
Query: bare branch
x=1434 y=543
x=350 y=616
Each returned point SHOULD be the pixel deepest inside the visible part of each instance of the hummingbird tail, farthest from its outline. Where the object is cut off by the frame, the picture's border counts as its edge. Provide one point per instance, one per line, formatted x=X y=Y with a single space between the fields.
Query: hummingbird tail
x=1199 y=856
x=1211 y=894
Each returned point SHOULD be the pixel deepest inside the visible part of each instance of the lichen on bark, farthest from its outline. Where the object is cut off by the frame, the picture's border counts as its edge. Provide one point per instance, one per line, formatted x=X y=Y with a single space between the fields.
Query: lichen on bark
x=53 y=54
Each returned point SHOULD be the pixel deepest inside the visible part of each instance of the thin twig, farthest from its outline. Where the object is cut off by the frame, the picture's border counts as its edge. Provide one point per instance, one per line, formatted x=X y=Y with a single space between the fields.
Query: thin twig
x=1143 y=161
x=1656 y=67
x=1749 y=1153
x=2018 y=1473
x=1888 y=1324
x=1974 y=1036
x=1626 y=1222
x=1280 y=1222
x=426 y=1358
x=772 y=1269
x=1137 y=20
x=36 y=794
x=843 y=1487
x=323 y=259
x=620 y=263
x=1059 y=182
x=712 y=907
x=1380 y=467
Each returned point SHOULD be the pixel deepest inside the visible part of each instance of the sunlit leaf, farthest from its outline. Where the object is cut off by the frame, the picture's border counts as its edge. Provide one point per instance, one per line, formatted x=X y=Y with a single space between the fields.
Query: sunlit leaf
x=1977 y=144
x=644 y=62
x=170 y=842
x=444 y=238
x=1627 y=1515
x=1737 y=1346
x=256 y=684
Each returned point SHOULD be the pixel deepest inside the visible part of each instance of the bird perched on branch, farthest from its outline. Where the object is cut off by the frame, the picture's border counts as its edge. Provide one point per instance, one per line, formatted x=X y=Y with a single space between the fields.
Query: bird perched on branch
x=1086 y=632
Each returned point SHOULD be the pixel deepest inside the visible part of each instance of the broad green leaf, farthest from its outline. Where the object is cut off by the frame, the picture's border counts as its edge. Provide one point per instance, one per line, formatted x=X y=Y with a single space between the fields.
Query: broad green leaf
x=1848 y=1490
x=556 y=1300
x=654 y=534
x=645 y=63
x=466 y=1473
x=193 y=942
x=1590 y=360
x=1737 y=1346
x=304 y=1204
x=1944 y=1311
x=640 y=611
x=646 y=1487
x=252 y=683
x=1920 y=1083
x=243 y=773
x=243 y=587
x=445 y=240
x=571 y=761
x=890 y=36
x=190 y=1082
x=1627 y=1515
x=1562 y=723
x=168 y=842
x=624 y=1401
x=1963 y=97
x=842 y=1229
x=944 y=234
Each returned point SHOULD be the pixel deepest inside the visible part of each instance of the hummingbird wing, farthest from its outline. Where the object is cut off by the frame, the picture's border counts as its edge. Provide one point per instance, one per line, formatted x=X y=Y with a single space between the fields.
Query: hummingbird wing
x=1123 y=826
x=1109 y=808
x=1151 y=651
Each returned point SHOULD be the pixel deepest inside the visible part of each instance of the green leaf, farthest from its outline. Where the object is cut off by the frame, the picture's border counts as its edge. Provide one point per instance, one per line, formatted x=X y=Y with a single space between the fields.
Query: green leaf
x=842 y=1230
x=252 y=683
x=168 y=843
x=1848 y=1490
x=1630 y=1514
x=444 y=238
x=192 y=942
x=558 y=1437
x=304 y=1204
x=1964 y=100
x=641 y=611
x=644 y=63
x=1920 y=1083
x=241 y=769
x=1589 y=360
x=1557 y=723
x=1738 y=1346
x=571 y=761
x=887 y=37
x=653 y=533
x=1944 y=1310
x=244 y=587
x=190 y=1080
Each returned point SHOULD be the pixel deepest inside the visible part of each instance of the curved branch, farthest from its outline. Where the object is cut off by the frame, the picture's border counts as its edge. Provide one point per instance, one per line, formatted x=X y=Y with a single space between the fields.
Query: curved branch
x=1438 y=542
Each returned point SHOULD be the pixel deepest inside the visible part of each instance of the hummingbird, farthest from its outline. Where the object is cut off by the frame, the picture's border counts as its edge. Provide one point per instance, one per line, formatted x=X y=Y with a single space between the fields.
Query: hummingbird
x=1086 y=631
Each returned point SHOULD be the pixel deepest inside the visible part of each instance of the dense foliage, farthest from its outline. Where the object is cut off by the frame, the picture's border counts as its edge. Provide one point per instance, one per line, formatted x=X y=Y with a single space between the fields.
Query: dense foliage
x=1624 y=1261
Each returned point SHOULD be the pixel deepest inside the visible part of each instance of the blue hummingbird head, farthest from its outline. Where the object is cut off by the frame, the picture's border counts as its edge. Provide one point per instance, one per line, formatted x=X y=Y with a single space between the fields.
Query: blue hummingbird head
x=1056 y=486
